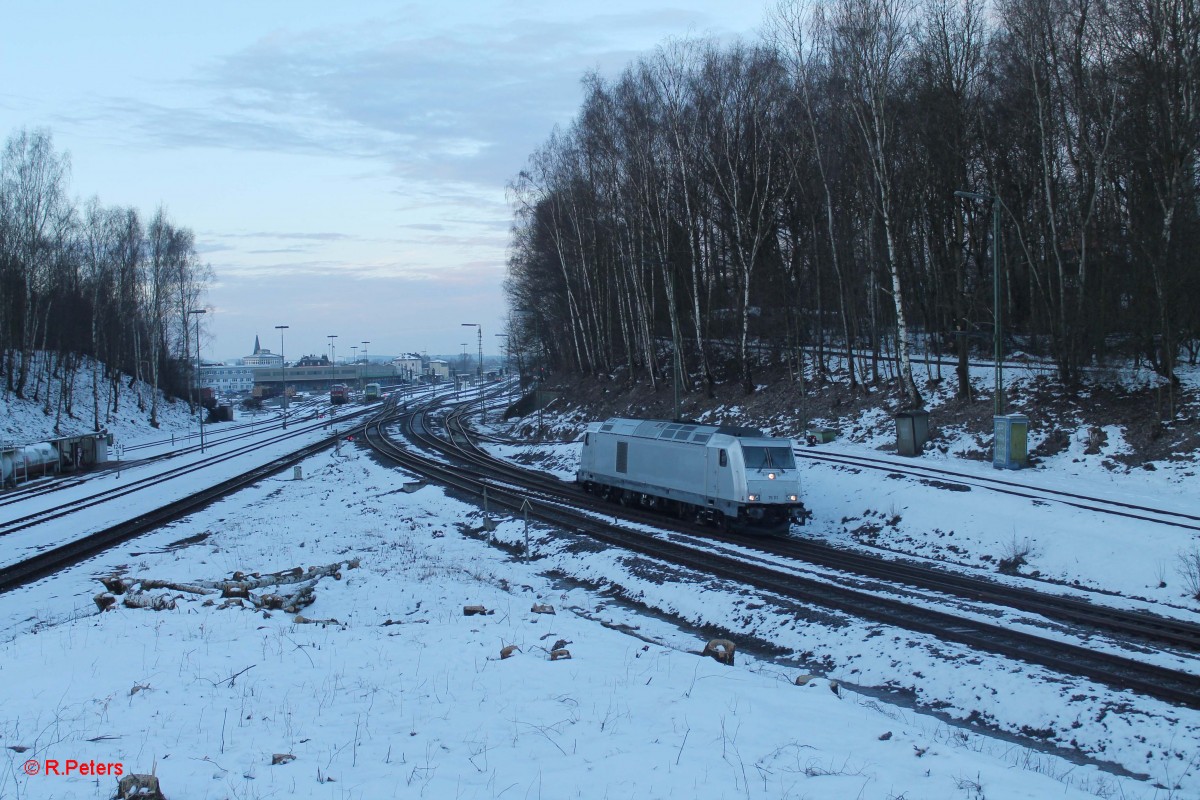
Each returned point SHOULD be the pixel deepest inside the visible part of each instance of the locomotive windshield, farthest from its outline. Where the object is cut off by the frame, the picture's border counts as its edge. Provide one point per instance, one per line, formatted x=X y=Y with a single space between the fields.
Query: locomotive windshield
x=768 y=457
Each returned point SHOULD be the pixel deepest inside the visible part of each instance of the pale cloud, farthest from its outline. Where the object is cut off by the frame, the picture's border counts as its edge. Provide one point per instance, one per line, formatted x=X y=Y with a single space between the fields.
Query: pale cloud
x=344 y=166
x=452 y=101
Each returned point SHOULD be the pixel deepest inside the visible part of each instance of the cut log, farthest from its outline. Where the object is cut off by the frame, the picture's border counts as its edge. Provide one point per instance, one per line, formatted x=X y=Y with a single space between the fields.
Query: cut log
x=721 y=649
x=305 y=597
x=269 y=601
x=146 y=584
x=115 y=584
x=151 y=602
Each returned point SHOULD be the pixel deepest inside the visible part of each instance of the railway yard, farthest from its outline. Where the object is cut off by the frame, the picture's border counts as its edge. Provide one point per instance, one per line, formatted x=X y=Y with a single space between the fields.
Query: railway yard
x=335 y=610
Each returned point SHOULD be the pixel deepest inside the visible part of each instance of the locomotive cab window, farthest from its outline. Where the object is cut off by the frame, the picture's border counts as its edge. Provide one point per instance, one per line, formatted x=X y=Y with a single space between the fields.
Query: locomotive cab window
x=724 y=459
x=768 y=457
x=587 y=439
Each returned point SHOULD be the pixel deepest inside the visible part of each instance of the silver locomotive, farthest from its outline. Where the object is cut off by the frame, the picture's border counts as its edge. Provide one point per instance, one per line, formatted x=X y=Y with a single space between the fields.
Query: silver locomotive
x=727 y=475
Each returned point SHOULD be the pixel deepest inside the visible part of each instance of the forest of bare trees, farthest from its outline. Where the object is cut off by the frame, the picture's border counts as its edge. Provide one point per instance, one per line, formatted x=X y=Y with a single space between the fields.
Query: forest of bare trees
x=93 y=285
x=775 y=201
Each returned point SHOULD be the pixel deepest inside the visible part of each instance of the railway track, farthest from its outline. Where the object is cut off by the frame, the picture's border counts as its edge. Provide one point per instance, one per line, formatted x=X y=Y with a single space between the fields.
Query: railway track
x=1187 y=520
x=13 y=525
x=31 y=490
x=1104 y=505
x=225 y=435
x=58 y=558
x=462 y=466
x=302 y=418
x=1064 y=608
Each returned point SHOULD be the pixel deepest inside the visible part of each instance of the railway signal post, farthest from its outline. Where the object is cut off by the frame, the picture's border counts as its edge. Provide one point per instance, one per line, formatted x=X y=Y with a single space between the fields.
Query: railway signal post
x=283 y=372
x=197 y=312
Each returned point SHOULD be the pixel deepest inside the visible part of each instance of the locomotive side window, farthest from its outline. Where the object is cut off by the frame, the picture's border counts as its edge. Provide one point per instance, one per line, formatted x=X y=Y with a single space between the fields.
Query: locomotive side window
x=622 y=456
x=587 y=439
x=724 y=459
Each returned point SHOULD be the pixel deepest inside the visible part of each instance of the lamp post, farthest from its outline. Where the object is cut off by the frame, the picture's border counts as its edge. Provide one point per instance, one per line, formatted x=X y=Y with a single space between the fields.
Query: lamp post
x=283 y=372
x=507 y=365
x=479 y=368
x=458 y=379
x=196 y=312
x=366 y=366
x=354 y=361
x=332 y=357
x=675 y=375
x=996 y=336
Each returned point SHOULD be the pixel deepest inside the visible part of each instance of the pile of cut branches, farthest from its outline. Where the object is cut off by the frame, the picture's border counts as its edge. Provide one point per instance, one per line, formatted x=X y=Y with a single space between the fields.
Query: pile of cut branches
x=288 y=591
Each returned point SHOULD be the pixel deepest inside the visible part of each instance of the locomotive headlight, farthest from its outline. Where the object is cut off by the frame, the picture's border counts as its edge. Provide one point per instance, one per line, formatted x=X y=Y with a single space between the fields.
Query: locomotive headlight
x=770 y=476
x=794 y=497
x=752 y=497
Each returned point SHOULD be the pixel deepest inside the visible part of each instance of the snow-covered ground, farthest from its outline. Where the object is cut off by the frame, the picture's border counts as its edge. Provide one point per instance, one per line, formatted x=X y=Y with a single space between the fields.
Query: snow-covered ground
x=25 y=421
x=406 y=696
x=230 y=451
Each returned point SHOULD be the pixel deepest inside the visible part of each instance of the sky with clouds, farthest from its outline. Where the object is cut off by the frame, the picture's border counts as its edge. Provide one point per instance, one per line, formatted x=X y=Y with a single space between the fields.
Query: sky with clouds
x=343 y=165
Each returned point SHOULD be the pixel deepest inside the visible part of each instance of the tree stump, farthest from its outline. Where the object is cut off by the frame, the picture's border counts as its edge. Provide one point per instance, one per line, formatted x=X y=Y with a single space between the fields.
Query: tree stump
x=721 y=649
x=139 y=787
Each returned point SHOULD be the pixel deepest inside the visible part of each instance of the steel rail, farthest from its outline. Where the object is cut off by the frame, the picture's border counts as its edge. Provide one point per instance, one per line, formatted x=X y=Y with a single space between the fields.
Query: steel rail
x=1132 y=624
x=57 y=512
x=59 y=558
x=1083 y=501
x=1164 y=683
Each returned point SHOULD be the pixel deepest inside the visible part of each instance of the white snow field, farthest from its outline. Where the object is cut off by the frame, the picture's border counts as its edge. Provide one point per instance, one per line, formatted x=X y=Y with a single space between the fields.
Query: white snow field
x=395 y=692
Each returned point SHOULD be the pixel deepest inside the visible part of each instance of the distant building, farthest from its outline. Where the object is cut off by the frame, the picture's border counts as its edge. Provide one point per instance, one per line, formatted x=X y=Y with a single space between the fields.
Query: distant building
x=227 y=379
x=313 y=361
x=409 y=366
x=439 y=369
x=261 y=357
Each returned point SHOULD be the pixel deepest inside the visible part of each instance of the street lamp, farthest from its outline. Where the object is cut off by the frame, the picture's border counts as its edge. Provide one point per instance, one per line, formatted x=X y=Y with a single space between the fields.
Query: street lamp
x=332 y=356
x=458 y=379
x=507 y=365
x=366 y=365
x=996 y=336
x=479 y=368
x=354 y=360
x=283 y=372
x=197 y=312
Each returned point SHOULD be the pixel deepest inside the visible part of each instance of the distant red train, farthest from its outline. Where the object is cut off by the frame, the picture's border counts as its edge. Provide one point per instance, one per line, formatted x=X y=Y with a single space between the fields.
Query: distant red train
x=339 y=394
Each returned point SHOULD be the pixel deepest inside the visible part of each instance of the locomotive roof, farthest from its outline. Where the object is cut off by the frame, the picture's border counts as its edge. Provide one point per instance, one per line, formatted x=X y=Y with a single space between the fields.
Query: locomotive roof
x=680 y=431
